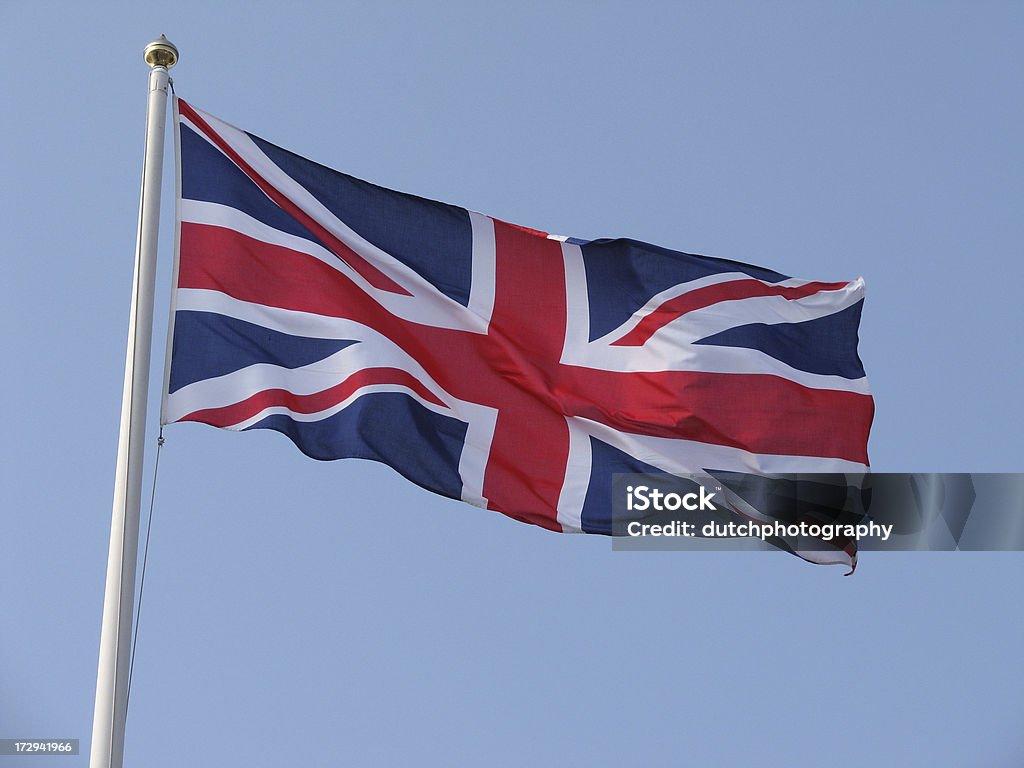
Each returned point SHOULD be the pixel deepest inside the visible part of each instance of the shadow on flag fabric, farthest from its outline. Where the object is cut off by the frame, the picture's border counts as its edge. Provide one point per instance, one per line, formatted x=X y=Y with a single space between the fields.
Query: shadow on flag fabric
x=487 y=362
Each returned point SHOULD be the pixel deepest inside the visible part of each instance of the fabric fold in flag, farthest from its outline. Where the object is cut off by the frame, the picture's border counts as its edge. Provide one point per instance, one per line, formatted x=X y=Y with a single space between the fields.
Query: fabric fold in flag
x=512 y=369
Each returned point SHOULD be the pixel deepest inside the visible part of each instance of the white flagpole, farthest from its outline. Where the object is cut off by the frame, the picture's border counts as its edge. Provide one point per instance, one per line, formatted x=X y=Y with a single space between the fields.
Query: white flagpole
x=116 y=635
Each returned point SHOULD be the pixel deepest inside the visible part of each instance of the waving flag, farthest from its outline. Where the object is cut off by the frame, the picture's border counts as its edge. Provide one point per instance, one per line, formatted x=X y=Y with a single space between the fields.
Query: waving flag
x=484 y=361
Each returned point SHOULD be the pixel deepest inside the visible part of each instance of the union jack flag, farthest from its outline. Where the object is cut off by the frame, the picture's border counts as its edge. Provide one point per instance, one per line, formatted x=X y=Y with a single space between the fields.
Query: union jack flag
x=503 y=366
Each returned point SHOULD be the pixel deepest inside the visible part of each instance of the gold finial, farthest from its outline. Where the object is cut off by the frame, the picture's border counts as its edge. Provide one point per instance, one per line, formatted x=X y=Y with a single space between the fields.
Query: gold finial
x=161 y=53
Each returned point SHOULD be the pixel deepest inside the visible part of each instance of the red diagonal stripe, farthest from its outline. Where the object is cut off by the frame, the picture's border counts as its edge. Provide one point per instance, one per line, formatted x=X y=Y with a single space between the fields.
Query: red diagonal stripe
x=374 y=276
x=713 y=294
x=236 y=413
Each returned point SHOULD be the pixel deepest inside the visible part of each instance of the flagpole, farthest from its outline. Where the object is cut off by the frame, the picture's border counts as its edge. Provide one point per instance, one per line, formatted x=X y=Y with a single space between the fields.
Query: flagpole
x=115 y=637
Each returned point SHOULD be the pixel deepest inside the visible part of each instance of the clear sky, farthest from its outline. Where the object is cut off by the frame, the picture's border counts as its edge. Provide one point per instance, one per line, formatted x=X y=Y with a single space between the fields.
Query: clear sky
x=304 y=613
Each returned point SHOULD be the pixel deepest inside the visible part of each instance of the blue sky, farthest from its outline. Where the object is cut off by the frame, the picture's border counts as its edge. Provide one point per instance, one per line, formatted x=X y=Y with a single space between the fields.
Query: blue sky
x=307 y=613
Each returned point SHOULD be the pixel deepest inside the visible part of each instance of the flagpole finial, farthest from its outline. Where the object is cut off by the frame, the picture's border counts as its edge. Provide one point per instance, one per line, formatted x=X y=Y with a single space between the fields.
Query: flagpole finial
x=161 y=53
